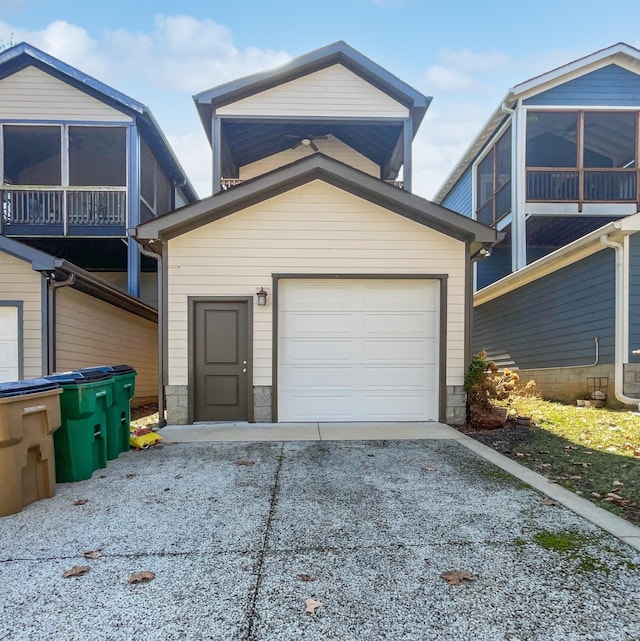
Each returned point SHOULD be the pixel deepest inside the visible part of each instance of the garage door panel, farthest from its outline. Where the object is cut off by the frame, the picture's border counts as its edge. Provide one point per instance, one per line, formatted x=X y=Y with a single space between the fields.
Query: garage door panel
x=390 y=407
x=400 y=377
x=318 y=325
x=398 y=324
x=400 y=350
x=402 y=296
x=319 y=296
x=358 y=350
x=332 y=407
x=316 y=351
x=314 y=377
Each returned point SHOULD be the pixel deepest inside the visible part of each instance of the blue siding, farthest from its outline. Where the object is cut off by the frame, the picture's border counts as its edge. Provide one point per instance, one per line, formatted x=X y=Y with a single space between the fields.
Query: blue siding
x=491 y=269
x=460 y=197
x=552 y=322
x=634 y=297
x=610 y=86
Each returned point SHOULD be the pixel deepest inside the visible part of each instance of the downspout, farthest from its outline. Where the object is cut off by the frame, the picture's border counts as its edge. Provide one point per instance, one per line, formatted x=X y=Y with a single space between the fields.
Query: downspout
x=158 y=258
x=621 y=320
x=53 y=285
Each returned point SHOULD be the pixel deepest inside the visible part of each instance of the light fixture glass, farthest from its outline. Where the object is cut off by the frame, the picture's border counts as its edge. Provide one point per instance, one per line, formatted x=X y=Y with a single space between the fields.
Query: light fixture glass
x=262 y=297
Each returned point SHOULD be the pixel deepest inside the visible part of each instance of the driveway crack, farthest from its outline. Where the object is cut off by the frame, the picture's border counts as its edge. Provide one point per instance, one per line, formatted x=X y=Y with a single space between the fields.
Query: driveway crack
x=251 y=610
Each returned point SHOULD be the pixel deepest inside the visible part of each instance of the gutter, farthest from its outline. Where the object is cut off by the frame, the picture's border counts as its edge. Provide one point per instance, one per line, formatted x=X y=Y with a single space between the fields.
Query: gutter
x=52 y=286
x=161 y=322
x=621 y=316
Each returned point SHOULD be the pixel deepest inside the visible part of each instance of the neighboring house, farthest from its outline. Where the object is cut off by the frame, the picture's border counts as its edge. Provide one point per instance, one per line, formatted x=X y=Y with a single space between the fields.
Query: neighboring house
x=55 y=316
x=80 y=163
x=556 y=168
x=312 y=286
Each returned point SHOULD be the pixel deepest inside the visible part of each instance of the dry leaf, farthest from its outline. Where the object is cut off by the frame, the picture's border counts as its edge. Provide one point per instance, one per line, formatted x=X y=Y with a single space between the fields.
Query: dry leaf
x=131 y=475
x=306 y=577
x=76 y=570
x=596 y=495
x=618 y=483
x=247 y=463
x=549 y=501
x=570 y=447
x=81 y=501
x=142 y=577
x=311 y=605
x=429 y=469
x=545 y=464
x=93 y=554
x=519 y=454
x=455 y=577
x=575 y=477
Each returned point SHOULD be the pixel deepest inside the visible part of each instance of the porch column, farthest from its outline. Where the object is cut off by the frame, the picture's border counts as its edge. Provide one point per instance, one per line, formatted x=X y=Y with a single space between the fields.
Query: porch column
x=133 y=209
x=519 y=190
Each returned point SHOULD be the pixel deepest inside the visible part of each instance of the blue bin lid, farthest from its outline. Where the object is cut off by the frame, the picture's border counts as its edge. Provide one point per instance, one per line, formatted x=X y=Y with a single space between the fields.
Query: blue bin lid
x=78 y=378
x=115 y=370
x=30 y=386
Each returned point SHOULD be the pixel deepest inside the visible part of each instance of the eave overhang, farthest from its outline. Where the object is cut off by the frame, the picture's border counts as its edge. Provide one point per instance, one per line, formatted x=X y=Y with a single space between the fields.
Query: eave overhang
x=573 y=252
x=333 y=172
x=60 y=270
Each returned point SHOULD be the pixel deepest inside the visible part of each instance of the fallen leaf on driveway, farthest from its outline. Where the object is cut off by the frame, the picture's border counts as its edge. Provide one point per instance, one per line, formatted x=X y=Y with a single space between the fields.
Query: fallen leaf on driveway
x=306 y=577
x=429 y=469
x=247 y=463
x=81 y=501
x=455 y=577
x=549 y=501
x=312 y=605
x=76 y=570
x=142 y=577
x=93 y=554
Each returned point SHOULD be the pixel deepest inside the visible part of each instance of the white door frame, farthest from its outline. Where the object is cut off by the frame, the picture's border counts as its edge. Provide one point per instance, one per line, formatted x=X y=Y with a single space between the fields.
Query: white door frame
x=18 y=305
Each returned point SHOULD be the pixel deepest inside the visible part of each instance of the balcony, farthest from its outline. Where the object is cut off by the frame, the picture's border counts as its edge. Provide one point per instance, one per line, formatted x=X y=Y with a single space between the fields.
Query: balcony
x=63 y=211
x=582 y=186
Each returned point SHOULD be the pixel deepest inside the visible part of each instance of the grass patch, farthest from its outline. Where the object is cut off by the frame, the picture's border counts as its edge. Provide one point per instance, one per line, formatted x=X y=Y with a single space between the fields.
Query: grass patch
x=594 y=452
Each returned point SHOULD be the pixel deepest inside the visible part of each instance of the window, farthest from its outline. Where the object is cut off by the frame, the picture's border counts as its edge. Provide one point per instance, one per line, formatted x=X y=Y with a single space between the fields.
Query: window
x=97 y=156
x=32 y=155
x=155 y=187
x=493 y=182
x=582 y=156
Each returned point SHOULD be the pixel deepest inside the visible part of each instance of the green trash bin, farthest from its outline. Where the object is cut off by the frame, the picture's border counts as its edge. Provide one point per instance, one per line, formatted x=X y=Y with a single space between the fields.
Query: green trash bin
x=81 y=442
x=119 y=412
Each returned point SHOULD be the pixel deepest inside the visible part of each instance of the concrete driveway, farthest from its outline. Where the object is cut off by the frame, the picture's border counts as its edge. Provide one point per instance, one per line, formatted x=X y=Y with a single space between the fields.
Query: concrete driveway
x=230 y=528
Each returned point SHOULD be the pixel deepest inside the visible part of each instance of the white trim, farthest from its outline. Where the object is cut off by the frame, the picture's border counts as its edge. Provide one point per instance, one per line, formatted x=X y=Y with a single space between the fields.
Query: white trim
x=623 y=54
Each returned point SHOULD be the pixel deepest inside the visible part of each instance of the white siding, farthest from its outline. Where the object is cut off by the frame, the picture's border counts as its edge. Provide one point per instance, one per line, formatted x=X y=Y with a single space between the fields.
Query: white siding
x=32 y=94
x=331 y=92
x=315 y=228
x=20 y=282
x=330 y=147
x=91 y=332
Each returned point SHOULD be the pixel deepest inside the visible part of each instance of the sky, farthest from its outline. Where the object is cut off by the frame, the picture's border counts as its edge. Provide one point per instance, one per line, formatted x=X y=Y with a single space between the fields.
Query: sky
x=464 y=54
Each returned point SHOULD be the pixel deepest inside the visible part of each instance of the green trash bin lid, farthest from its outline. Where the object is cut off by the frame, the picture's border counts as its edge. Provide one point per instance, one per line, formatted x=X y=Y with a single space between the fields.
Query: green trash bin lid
x=114 y=370
x=30 y=386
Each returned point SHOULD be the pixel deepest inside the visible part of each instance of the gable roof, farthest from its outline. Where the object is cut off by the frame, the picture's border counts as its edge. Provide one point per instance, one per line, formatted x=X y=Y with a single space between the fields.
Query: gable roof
x=337 y=53
x=331 y=171
x=24 y=55
x=82 y=280
x=617 y=53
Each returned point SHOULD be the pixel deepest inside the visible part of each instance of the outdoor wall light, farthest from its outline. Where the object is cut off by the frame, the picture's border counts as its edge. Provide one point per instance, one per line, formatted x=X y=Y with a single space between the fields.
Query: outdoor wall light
x=262 y=297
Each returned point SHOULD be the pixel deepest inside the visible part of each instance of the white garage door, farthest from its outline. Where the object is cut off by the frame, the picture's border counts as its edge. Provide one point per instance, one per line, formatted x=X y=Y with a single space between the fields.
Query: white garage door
x=9 y=370
x=358 y=350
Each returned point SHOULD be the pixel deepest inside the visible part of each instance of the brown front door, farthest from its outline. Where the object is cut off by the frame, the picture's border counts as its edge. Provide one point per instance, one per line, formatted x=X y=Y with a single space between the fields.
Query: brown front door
x=221 y=361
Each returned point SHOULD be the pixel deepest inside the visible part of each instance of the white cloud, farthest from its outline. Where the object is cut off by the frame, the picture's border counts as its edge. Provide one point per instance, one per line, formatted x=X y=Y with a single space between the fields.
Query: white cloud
x=194 y=153
x=438 y=78
x=474 y=61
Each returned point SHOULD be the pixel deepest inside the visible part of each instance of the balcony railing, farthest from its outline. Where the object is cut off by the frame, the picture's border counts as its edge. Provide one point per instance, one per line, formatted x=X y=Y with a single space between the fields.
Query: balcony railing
x=228 y=183
x=60 y=211
x=585 y=185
